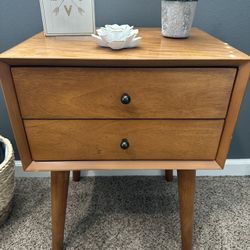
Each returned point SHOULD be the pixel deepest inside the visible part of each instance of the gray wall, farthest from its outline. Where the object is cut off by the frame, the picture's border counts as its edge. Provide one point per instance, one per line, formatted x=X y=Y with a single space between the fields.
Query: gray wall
x=229 y=20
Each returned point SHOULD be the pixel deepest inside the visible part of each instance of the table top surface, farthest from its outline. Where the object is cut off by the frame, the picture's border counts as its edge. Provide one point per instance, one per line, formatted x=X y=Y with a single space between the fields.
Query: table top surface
x=199 y=46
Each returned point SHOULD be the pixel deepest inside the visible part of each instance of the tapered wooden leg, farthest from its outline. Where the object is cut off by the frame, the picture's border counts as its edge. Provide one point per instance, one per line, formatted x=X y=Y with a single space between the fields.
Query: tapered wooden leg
x=76 y=175
x=59 y=193
x=186 y=184
x=169 y=175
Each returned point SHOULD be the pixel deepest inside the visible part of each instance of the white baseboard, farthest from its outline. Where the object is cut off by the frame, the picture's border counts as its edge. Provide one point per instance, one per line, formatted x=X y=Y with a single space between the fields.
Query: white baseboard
x=234 y=167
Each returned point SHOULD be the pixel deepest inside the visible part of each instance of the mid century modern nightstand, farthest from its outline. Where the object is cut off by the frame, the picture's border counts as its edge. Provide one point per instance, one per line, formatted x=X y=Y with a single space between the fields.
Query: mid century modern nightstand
x=168 y=104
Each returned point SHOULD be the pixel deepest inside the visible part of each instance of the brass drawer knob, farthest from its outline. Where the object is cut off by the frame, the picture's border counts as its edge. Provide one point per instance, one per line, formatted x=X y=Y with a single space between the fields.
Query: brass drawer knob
x=125 y=99
x=124 y=144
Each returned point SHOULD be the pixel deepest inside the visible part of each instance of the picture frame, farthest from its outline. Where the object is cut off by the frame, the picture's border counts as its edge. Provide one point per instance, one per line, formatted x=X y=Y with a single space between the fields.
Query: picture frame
x=68 y=17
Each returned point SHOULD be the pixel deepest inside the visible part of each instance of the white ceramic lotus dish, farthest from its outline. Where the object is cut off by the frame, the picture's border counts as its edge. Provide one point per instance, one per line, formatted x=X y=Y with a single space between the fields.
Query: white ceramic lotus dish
x=117 y=36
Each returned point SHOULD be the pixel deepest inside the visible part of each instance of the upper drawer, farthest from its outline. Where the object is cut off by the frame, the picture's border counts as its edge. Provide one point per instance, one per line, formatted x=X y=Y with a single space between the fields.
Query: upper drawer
x=96 y=92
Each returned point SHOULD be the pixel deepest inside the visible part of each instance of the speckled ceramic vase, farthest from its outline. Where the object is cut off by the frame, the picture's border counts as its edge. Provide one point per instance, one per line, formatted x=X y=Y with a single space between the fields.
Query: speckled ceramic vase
x=177 y=18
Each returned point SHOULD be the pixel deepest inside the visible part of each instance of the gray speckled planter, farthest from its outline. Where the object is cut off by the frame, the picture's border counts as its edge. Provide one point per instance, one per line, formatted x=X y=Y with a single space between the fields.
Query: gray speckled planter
x=177 y=18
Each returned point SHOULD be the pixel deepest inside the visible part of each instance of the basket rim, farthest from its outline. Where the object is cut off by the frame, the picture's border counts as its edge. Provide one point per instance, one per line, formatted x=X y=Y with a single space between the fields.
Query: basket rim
x=8 y=149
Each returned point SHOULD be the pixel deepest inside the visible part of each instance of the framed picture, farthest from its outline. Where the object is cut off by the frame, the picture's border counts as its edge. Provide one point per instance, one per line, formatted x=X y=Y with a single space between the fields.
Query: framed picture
x=68 y=17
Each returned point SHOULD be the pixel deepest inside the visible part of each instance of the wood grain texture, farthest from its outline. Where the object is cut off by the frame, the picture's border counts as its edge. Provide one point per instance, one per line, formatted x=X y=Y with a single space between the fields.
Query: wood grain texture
x=154 y=50
x=59 y=193
x=96 y=93
x=186 y=186
x=14 y=114
x=233 y=112
x=59 y=140
x=121 y=165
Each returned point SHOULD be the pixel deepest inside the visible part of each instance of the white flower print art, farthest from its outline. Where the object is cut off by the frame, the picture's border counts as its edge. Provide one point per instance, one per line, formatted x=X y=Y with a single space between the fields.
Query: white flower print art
x=68 y=17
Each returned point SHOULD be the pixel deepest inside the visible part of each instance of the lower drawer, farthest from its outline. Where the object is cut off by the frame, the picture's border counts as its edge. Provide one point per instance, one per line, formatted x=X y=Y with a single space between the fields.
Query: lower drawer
x=63 y=140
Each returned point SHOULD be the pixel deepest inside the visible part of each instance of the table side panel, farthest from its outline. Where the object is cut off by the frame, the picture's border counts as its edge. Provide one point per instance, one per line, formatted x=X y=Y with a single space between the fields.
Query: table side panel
x=14 y=114
x=233 y=112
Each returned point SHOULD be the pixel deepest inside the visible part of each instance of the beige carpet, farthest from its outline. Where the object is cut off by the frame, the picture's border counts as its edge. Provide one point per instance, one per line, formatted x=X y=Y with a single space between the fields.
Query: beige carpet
x=130 y=213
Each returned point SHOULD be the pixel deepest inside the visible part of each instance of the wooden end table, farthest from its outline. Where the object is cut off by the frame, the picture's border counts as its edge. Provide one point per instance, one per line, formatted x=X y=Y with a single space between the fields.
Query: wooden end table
x=168 y=104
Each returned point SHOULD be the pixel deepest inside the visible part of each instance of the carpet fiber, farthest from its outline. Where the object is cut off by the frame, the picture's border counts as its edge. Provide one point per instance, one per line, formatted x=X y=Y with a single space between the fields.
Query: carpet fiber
x=130 y=213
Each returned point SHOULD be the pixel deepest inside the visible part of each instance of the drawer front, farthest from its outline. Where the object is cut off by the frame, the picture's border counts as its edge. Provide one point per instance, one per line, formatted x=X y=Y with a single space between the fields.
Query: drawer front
x=96 y=93
x=101 y=139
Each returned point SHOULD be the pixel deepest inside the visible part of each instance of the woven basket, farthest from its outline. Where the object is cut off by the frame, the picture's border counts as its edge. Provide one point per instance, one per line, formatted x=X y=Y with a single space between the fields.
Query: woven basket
x=7 y=179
